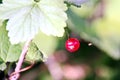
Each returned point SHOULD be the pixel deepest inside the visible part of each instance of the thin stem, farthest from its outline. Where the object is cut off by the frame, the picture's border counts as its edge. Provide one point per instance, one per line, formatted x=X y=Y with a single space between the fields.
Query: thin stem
x=67 y=32
x=24 y=69
x=22 y=56
x=20 y=61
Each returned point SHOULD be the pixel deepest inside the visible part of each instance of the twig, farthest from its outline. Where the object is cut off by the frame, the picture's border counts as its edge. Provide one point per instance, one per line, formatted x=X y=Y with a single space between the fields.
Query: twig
x=20 y=61
x=24 y=69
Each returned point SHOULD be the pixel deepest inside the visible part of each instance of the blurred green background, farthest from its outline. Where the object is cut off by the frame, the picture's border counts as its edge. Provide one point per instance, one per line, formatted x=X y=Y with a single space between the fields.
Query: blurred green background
x=96 y=22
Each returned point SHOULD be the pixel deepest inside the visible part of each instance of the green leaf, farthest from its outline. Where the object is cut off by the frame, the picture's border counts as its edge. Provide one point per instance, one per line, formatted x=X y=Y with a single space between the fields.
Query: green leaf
x=46 y=44
x=13 y=53
x=28 y=17
x=4 y=42
x=34 y=54
x=1 y=22
x=1 y=61
x=3 y=66
x=102 y=33
x=8 y=52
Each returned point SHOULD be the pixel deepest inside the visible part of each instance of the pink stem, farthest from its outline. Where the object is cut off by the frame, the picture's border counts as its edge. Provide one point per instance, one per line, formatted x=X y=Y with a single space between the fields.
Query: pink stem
x=20 y=61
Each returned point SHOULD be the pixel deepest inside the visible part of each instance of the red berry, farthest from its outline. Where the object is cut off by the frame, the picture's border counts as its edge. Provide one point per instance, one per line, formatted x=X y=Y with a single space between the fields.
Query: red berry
x=72 y=44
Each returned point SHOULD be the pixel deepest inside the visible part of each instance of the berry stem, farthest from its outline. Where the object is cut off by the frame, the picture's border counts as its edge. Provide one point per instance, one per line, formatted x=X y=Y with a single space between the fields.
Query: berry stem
x=67 y=32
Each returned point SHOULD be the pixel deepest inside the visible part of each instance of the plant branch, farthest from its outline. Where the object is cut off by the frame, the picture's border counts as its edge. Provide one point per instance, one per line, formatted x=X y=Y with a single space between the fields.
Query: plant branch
x=20 y=62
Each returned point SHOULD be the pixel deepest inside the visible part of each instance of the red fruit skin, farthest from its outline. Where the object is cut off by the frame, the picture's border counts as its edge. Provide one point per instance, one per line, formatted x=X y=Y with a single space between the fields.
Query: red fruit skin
x=72 y=44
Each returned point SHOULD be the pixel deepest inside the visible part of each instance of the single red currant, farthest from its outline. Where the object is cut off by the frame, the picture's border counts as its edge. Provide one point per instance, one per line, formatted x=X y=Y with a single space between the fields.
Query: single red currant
x=72 y=44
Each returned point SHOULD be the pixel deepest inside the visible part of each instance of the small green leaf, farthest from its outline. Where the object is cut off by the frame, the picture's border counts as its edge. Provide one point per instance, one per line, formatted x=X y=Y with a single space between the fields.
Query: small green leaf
x=46 y=44
x=34 y=54
x=4 y=42
x=8 y=52
x=3 y=66
x=13 y=53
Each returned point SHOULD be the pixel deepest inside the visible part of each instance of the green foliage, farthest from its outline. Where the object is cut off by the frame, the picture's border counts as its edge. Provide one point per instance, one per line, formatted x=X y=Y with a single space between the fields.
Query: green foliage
x=101 y=33
x=46 y=44
x=34 y=54
x=27 y=18
x=3 y=66
x=38 y=19
x=13 y=53
x=8 y=52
